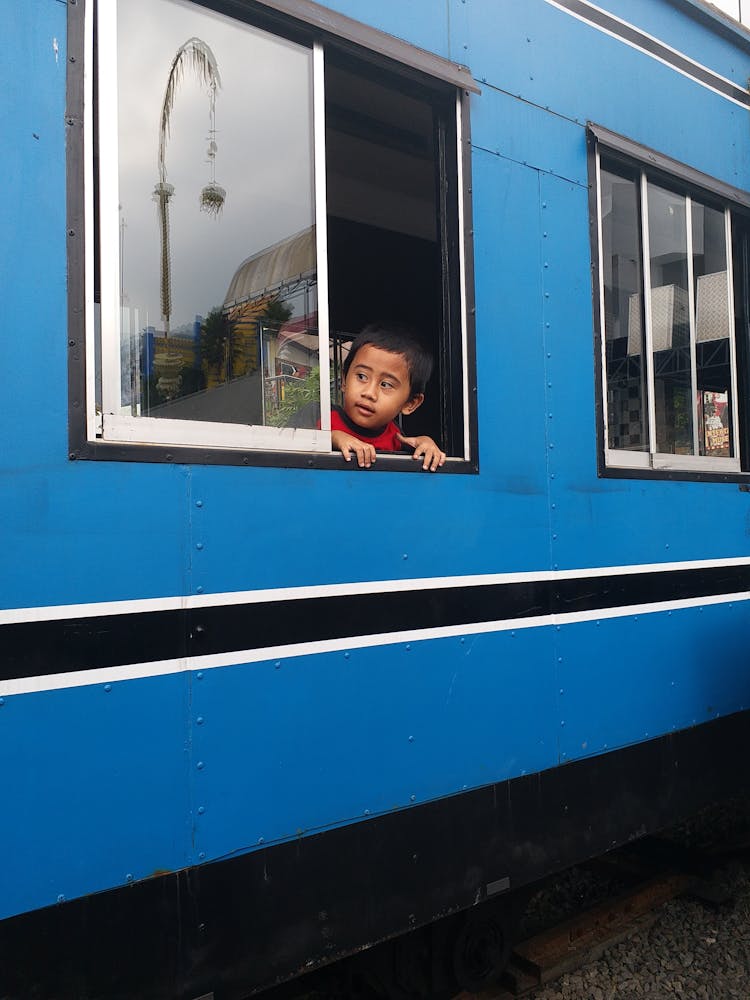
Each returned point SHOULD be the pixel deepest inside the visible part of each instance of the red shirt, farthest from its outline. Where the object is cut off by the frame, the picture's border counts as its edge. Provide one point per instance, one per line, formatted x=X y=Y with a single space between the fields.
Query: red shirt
x=382 y=438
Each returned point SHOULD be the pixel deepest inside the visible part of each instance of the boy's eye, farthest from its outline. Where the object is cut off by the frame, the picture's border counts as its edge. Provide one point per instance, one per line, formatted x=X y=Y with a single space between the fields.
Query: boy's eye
x=386 y=385
x=361 y=376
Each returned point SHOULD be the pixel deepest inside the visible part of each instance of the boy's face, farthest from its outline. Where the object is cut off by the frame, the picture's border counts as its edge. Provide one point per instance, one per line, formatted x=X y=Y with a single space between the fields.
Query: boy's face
x=378 y=388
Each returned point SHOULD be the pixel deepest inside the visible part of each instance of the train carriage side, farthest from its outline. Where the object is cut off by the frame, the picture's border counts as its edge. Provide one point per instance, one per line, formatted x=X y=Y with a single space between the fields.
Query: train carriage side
x=259 y=709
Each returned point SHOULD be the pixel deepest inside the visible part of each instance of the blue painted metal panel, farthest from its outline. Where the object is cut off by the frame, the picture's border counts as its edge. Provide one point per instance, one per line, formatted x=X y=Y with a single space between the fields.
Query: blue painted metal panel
x=626 y=680
x=78 y=532
x=32 y=255
x=725 y=55
x=552 y=60
x=293 y=747
x=95 y=789
x=323 y=738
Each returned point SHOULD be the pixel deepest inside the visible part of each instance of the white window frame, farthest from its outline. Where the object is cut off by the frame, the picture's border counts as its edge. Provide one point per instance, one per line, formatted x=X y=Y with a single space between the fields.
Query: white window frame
x=118 y=427
x=107 y=423
x=652 y=459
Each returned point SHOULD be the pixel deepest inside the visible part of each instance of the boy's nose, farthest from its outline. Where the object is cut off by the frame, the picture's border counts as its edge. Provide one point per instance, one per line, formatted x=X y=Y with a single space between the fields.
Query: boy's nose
x=370 y=392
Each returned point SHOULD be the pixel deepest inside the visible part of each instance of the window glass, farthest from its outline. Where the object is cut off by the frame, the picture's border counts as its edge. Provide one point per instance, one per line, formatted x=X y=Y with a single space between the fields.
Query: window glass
x=623 y=314
x=217 y=254
x=257 y=200
x=712 y=326
x=670 y=321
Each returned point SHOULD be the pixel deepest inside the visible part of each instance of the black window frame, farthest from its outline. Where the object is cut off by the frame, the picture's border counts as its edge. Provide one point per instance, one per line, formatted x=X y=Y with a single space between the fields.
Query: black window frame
x=636 y=158
x=304 y=21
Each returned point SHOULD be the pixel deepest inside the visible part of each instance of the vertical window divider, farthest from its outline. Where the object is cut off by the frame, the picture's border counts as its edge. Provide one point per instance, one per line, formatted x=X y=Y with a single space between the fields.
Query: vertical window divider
x=321 y=233
x=731 y=333
x=109 y=229
x=692 y=322
x=602 y=311
x=462 y=272
x=89 y=70
x=647 y=320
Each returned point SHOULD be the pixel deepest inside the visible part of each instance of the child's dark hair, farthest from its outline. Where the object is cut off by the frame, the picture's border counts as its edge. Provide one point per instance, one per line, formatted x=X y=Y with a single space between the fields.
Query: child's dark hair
x=396 y=338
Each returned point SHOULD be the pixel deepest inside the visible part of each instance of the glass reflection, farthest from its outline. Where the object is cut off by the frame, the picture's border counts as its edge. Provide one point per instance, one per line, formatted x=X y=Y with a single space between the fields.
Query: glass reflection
x=218 y=283
x=670 y=321
x=623 y=314
x=712 y=326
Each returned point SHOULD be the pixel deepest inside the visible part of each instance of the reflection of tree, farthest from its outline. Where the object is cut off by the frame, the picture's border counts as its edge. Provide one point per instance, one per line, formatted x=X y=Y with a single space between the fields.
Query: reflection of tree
x=215 y=342
x=276 y=312
x=297 y=394
x=199 y=57
x=229 y=344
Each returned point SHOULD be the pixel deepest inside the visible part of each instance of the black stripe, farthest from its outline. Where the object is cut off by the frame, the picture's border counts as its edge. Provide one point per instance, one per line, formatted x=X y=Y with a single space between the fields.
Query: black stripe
x=628 y=33
x=29 y=649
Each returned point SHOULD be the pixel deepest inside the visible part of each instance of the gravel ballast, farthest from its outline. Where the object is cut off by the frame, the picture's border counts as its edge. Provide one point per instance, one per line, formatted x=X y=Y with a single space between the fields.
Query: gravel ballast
x=692 y=950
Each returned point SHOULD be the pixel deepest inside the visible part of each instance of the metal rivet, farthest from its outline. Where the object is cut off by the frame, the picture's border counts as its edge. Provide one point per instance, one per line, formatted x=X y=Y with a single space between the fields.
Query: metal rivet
x=367 y=812
x=198 y=503
x=199 y=545
x=201 y=855
x=107 y=687
x=199 y=589
x=61 y=898
x=412 y=798
x=261 y=840
x=129 y=877
x=2 y=702
x=199 y=675
x=411 y=739
x=405 y=555
x=201 y=810
x=277 y=665
x=200 y=765
x=199 y=721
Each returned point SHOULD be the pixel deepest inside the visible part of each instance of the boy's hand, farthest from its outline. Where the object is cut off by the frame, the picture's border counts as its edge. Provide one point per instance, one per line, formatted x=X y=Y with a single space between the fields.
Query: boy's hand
x=426 y=449
x=347 y=444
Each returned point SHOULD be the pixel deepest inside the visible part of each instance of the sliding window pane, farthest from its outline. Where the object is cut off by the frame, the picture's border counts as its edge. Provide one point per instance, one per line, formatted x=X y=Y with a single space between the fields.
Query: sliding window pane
x=670 y=321
x=218 y=278
x=713 y=327
x=627 y=412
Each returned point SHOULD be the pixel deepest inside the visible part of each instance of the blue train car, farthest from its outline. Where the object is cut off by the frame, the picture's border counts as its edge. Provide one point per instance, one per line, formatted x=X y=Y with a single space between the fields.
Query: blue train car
x=261 y=707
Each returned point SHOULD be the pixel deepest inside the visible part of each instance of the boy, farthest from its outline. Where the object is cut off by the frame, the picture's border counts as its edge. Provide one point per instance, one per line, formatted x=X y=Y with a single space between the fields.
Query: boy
x=385 y=373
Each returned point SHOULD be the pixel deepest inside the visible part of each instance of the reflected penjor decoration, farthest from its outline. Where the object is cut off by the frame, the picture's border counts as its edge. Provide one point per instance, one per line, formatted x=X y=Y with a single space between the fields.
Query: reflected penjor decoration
x=195 y=54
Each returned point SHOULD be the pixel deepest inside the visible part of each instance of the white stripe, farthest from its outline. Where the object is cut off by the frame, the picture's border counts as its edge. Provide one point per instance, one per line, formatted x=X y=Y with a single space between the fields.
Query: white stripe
x=134 y=671
x=12 y=616
x=653 y=55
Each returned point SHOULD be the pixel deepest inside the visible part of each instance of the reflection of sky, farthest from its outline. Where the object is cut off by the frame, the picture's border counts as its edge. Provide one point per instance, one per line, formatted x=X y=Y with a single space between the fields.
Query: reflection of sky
x=738 y=9
x=264 y=136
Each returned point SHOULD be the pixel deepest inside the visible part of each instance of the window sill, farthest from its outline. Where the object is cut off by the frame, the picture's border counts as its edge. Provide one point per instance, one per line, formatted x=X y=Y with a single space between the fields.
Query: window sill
x=110 y=451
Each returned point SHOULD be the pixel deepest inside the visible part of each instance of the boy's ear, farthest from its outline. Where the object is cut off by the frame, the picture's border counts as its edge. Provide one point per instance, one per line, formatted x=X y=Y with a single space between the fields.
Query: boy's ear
x=413 y=404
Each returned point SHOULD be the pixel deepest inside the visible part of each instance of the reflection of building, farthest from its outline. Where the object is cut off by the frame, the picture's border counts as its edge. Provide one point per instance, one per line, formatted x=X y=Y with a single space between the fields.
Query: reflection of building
x=238 y=364
x=271 y=306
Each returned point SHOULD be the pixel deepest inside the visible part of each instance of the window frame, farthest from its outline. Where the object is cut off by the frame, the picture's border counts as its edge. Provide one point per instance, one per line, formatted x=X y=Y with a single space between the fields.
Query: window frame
x=647 y=165
x=319 y=29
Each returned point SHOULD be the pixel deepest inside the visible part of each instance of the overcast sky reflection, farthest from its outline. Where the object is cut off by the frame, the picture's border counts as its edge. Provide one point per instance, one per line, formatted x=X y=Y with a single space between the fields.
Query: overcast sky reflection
x=264 y=156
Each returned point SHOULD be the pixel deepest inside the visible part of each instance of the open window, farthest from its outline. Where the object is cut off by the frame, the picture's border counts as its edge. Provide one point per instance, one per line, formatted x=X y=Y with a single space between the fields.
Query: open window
x=672 y=308
x=258 y=190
